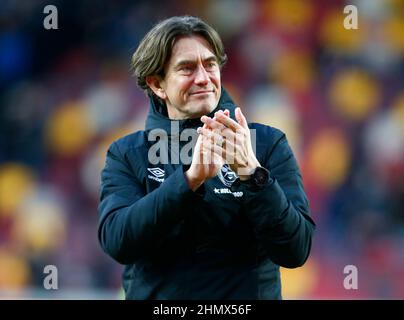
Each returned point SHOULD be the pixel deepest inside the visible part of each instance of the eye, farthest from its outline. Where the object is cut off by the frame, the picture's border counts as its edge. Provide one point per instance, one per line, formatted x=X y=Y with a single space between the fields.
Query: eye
x=187 y=69
x=210 y=65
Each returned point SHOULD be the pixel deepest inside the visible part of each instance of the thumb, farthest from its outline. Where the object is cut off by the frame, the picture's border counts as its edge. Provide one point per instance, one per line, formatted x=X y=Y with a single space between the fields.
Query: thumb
x=241 y=118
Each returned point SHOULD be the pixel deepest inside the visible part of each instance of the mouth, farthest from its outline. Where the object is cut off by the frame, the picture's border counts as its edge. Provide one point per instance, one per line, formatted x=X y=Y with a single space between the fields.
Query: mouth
x=201 y=92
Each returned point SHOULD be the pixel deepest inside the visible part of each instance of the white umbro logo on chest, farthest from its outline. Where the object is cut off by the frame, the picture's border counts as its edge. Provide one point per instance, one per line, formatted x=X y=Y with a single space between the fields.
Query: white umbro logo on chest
x=157 y=174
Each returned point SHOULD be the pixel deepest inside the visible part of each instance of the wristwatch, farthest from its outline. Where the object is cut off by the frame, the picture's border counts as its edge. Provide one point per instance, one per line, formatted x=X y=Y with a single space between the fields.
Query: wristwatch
x=258 y=180
x=260 y=177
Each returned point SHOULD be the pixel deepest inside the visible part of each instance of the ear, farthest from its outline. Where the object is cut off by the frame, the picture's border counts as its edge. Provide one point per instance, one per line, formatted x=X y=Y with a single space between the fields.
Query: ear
x=155 y=83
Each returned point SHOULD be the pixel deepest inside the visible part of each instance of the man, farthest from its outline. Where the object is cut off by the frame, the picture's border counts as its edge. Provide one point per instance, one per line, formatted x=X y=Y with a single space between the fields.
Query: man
x=215 y=225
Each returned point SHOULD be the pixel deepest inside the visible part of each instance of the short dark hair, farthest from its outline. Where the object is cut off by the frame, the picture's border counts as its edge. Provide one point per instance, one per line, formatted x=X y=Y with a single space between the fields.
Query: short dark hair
x=155 y=49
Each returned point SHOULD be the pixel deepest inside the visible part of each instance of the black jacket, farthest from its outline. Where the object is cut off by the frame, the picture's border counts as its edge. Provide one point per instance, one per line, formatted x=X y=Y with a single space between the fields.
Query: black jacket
x=215 y=243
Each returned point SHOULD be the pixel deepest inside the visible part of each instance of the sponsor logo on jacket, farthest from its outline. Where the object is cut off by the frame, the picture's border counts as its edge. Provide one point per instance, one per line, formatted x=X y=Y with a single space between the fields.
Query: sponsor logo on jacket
x=236 y=194
x=157 y=174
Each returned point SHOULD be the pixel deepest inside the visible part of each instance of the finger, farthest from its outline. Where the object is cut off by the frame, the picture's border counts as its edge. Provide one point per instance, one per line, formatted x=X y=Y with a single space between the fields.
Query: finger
x=229 y=152
x=212 y=135
x=227 y=112
x=241 y=118
x=207 y=151
x=205 y=147
x=212 y=123
x=218 y=150
x=228 y=134
x=197 y=152
x=227 y=121
x=218 y=155
x=213 y=153
x=205 y=132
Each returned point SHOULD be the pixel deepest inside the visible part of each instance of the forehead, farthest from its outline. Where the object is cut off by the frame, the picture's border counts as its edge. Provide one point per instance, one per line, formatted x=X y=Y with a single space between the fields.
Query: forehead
x=190 y=48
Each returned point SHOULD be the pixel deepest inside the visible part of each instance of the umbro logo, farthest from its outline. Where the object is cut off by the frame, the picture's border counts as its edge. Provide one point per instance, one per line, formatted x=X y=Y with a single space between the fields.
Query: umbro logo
x=157 y=174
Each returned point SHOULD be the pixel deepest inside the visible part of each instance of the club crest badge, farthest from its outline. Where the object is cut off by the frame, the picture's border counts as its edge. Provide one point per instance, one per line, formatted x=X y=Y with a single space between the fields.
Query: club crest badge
x=227 y=176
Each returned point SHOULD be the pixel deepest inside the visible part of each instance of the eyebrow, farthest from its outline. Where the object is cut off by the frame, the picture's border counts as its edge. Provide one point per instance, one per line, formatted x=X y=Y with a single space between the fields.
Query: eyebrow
x=186 y=62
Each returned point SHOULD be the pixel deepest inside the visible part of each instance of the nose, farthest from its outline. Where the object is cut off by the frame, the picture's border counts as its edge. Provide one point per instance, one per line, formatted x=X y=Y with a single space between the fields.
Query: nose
x=201 y=77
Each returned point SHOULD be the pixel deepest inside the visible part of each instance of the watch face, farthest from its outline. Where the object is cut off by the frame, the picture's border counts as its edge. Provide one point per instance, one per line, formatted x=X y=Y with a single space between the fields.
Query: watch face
x=261 y=176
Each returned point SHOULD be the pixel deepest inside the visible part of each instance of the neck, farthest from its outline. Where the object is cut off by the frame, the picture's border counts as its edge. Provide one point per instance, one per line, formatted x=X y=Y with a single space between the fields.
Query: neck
x=176 y=115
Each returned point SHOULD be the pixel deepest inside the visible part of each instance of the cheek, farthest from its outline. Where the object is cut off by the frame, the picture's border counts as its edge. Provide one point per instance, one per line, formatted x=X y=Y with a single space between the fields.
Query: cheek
x=216 y=78
x=178 y=88
x=184 y=87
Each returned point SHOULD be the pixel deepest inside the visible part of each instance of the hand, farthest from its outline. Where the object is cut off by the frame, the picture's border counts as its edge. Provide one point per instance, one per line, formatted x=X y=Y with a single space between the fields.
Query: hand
x=206 y=161
x=238 y=151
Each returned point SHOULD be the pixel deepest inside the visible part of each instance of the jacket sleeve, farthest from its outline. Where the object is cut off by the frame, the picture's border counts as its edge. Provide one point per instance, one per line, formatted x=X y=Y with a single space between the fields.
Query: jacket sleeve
x=131 y=222
x=279 y=212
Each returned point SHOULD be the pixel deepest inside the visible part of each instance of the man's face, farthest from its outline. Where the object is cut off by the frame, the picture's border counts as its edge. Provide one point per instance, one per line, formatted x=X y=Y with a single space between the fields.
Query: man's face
x=191 y=86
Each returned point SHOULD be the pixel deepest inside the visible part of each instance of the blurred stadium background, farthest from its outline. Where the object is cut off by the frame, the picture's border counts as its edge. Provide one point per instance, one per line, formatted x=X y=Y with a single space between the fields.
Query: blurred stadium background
x=66 y=94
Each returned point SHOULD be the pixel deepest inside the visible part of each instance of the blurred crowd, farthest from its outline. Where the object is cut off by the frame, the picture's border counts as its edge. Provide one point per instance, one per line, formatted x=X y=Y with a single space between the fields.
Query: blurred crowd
x=338 y=93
